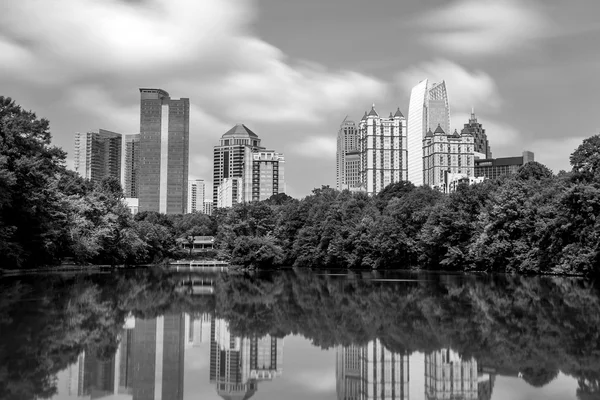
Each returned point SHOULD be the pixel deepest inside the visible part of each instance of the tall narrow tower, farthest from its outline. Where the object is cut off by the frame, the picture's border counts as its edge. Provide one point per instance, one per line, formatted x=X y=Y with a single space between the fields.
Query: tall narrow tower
x=347 y=142
x=427 y=109
x=482 y=145
x=164 y=152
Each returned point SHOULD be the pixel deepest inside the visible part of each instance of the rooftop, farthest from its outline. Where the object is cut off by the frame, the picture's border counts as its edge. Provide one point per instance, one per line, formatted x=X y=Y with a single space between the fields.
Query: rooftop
x=240 y=130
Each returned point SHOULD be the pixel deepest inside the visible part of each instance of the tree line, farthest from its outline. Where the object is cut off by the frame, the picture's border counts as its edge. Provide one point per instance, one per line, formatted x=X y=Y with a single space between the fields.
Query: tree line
x=532 y=222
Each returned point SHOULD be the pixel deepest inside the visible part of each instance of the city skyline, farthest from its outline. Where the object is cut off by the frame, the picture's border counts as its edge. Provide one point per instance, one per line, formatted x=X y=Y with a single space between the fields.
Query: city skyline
x=261 y=63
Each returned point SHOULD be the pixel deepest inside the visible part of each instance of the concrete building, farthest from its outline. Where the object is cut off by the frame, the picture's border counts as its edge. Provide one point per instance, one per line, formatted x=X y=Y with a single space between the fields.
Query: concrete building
x=371 y=372
x=233 y=153
x=383 y=154
x=427 y=109
x=268 y=169
x=164 y=152
x=445 y=154
x=230 y=192
x=481 y=147
x=496 y=167
x=130 y=160
x=347 y=147
x=98 y=155
x=455 y=179
x=208 y=207
x=196 y=195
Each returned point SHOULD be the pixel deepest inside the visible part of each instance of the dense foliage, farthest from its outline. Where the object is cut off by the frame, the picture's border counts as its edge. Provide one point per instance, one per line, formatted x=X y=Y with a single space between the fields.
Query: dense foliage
x=533 y=325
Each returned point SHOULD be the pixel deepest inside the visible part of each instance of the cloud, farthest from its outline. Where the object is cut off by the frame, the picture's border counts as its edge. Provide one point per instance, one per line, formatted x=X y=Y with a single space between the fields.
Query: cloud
x=466 y=88
x=484 y=27
x=555 y=153
x=317 y=147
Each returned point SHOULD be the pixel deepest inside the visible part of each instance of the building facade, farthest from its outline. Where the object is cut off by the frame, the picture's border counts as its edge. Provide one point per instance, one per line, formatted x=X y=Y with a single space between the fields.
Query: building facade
x=445 y=154
x=383 y=154
x=449 y=376
x=208 y=207
x=494 y=168
x=231 y=157
x=347 y=145
x=230 y=192
x=427 y=109
x=268 y=169
x=98 y=155
x=130 y=161
x=164 y=152
x=482 y=147
x=196 y=195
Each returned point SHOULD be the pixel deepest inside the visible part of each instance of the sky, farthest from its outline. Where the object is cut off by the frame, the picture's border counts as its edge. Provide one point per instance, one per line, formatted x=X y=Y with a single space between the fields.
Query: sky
x=292 y=70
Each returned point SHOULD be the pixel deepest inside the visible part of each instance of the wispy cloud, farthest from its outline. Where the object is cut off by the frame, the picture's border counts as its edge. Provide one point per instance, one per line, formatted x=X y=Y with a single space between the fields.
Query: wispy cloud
x=484 y=27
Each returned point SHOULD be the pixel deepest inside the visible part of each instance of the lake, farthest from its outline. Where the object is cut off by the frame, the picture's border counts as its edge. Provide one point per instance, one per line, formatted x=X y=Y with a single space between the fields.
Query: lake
x=297 y=334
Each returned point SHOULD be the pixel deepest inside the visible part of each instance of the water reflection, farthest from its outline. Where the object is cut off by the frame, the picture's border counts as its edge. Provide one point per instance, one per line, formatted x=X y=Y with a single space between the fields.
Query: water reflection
x=148 y=337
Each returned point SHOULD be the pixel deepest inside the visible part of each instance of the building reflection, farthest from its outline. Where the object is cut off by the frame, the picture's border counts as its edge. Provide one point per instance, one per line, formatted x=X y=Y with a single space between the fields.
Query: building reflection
x=238 y=364
x=448 y=376
x=371 y=372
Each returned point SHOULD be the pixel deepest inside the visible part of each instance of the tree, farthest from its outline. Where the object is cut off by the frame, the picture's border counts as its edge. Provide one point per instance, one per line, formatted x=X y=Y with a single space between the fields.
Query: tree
x=534 y=170
x=585 y=160
x=32 y=222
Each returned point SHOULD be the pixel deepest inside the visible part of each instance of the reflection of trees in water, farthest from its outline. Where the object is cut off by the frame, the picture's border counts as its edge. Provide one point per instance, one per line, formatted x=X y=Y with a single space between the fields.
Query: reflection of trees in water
x=536 y=326
x=589 y=389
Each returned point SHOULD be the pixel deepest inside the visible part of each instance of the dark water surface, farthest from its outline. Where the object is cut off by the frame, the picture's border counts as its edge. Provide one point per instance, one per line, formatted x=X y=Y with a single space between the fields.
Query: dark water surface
x=151 y=334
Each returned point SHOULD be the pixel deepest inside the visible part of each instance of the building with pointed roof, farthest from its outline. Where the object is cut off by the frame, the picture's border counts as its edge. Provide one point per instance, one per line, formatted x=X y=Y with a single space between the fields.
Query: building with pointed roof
x=382 y=150
x=427 y=109
x=444 y=154
x=482 y=145
x=347 y=145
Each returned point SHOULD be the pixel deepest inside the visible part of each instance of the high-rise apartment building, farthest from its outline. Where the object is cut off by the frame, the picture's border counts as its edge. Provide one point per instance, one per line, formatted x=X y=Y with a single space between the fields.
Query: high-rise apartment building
x=230 y=192
x=446 y=153
x=98 y=155
x=245 y=170
x=347 y=143
x=383 y=153
x=233 y=153
x=164 y=152
x=371 y=372
x=267 y=174
x=130 y=162
x=195 y=192
x=427 y=109
x=208 y=207
x=482 y=147
x=496 y=167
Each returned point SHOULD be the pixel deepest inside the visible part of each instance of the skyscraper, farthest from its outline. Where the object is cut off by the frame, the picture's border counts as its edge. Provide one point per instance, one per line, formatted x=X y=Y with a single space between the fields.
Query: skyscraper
x=449 y=376
x=382 y=145
x=196 y=190
x=164 y=152
x=98 y=155
x=371 y=372
x=446 y=153
x=208 y=207
x=347 y=142
x=427 y=109
x=232 y=154
x=481 y=144
x=130 y=161
x=230 y=192
x=267 y=175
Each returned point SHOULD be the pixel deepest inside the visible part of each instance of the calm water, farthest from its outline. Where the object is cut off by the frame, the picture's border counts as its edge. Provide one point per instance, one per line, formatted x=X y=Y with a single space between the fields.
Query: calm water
x=297 y=335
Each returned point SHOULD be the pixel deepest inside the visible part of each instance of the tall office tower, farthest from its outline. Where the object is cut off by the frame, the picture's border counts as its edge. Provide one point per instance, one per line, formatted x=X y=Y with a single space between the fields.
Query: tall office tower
x=427 y=109
x=164 y=152
x=482 y=145
x=494 y=168
x=267 y=175
x=382 y=145
x=208 y=207
x=371 y=372
x=230 y=192
x=445 y=154
x=198 y=329
x=347 y=141
x=237 y=364
x=158 y=351
x=98 y=155
x=130 y=160
x=449 y=376
x=233 y=153
x=195 y=192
